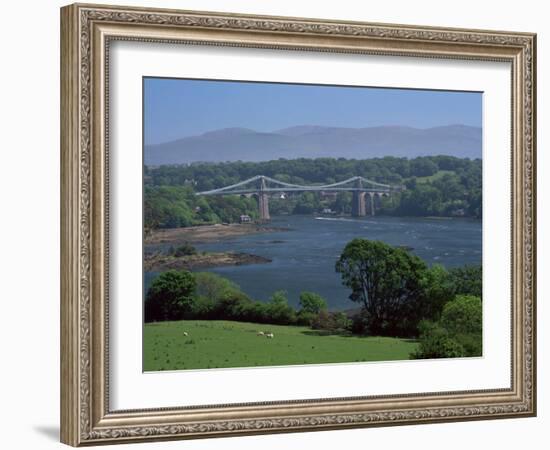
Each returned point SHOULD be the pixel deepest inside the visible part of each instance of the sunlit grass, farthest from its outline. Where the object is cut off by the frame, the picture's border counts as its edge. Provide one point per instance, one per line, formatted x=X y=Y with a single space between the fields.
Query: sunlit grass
x=217 y=344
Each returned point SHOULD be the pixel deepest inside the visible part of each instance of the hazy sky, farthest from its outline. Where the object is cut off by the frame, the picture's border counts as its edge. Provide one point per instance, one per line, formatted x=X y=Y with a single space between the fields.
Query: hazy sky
x=176 y=108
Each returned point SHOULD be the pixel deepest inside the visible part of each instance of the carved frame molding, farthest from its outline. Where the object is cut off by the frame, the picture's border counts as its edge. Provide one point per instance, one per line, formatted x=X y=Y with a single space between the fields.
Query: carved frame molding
x=86 y=31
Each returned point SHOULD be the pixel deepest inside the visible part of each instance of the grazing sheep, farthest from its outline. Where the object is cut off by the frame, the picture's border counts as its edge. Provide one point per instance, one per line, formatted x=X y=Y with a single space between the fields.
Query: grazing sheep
x=269 y=335
x=185 y=333
x=260 y=333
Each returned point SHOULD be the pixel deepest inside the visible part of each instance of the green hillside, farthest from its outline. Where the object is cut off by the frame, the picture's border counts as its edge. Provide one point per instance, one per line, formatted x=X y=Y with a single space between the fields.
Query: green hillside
x=217 y=344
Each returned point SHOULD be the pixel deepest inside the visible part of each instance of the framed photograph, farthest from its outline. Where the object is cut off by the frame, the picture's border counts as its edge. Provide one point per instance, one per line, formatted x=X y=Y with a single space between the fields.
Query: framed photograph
x=276 y=224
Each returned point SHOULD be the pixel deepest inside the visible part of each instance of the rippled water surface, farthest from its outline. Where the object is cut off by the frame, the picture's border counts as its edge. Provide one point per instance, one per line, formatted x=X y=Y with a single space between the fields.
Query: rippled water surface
x=303 y=258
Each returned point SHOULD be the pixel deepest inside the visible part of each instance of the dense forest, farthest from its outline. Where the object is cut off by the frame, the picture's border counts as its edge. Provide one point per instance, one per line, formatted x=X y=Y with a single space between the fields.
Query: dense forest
x=435 y=186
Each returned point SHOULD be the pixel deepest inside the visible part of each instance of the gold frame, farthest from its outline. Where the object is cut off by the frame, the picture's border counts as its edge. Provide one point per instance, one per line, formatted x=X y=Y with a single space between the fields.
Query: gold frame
x=86 y=31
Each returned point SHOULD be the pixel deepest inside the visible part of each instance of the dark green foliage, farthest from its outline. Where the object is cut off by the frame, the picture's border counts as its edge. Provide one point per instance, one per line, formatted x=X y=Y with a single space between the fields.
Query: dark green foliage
x=304 y=317
x=279 y=310
x=463 y=315
x=439 y=290
x=233 y=306
x=456 y=192
x=467 y=280
x=423 y=200
x=168 y=207
x=389 y=283
x=457 y=333
x=311 y=302
x=422 y=167
x=178 y=206
x=181 y=295
x=218 y=298
x=206 y=176
x=360 y=323
x=398 y=293
x=184 y=250
x=331 y=322
x=307 y=203
x=230 y=208
x=435 y=342
x=170 y=296
x=213 y=288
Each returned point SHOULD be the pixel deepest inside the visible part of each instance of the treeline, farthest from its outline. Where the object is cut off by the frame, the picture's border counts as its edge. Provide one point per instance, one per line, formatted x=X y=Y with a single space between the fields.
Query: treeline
x=436 y=186
x=182 y=295
x=178 y=206
x=400 y=295
x=390 y=170
x=397 y=293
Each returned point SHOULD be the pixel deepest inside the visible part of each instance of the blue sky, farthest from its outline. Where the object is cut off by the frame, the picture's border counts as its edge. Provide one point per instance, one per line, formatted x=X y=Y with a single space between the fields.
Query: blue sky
x=176 y=108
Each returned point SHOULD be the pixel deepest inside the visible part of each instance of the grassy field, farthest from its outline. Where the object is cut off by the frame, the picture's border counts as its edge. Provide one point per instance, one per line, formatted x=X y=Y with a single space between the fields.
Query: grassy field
x=217 y=343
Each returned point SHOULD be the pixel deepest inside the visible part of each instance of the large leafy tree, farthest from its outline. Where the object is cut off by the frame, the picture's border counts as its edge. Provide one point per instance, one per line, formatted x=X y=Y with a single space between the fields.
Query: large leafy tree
x=390 y=283
x=170 y=296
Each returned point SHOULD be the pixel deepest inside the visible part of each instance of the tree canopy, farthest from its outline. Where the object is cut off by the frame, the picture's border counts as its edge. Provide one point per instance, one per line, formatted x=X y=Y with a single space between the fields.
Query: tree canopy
x=170 y=296
x=311 y=302
x=467 y=280
x=436 y=186
x=390 y=283
x=457 y=334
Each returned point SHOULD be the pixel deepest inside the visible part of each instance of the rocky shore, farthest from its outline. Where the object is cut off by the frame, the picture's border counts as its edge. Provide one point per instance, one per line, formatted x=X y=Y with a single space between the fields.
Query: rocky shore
x=159 y=262
x=206 y=233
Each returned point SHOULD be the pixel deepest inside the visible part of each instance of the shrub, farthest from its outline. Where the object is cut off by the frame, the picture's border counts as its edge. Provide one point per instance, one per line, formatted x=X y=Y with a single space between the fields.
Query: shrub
x=438 y=345
x=305 y=318
x=278 y=311
x=310 y=302
x=184 y=250
x=233 y=306
x=214 y=287
x=360 y=323
x=463 y=315
x=439 y=290
x=333 y=322
x=457 y=333
x=467 y=280
x=471 y=342
x=170 y=296
x=203 y=308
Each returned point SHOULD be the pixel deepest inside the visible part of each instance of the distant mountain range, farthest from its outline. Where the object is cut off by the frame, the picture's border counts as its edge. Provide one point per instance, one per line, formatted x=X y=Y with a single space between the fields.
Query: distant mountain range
x=307 y=141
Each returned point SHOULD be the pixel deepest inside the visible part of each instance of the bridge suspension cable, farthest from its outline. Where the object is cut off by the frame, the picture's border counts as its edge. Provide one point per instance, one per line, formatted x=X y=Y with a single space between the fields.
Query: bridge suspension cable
x=228 y=189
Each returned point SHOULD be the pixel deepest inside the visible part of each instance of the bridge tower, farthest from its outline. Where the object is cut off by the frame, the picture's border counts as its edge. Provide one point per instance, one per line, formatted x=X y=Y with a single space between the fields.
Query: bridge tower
x=358 y=201
x=372 y=196
x=263 y=201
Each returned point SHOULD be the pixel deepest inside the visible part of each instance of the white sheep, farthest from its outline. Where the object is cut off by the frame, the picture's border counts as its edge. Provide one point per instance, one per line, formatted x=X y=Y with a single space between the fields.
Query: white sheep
x=185 y=333
x=260 y=333
x=269 y=335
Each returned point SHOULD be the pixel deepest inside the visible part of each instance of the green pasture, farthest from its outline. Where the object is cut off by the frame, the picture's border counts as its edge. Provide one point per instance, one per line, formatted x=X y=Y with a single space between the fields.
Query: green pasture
x=220 y=343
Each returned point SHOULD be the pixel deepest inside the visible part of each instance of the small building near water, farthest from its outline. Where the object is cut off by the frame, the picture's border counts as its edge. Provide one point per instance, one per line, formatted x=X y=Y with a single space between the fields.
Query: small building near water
x=245 y=218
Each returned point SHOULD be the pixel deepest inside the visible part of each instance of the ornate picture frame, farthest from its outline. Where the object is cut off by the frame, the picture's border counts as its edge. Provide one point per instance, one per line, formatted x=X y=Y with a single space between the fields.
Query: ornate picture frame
x=87 y=31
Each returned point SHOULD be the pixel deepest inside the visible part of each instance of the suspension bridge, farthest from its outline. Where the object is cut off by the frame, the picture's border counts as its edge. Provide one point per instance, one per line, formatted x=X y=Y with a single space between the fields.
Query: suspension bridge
x=263 y=187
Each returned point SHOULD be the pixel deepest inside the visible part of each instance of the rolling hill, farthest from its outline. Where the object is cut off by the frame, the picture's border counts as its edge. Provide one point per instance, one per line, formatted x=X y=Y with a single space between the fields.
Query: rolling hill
x=307 y=141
